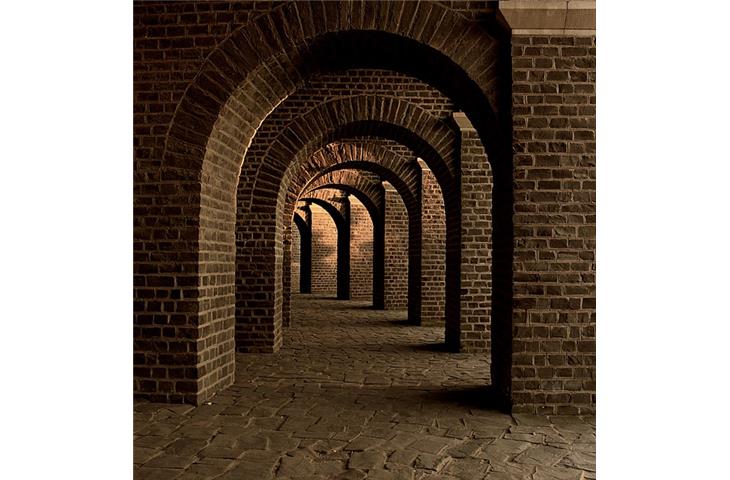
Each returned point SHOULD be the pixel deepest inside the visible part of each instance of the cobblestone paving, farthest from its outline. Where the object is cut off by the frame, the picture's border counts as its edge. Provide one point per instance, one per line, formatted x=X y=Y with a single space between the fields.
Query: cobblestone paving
x=354 y=394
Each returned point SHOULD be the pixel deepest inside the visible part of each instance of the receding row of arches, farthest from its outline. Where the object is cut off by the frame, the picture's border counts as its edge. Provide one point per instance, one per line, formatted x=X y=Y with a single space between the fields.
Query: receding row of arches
x=299 y=102
x=345 y=195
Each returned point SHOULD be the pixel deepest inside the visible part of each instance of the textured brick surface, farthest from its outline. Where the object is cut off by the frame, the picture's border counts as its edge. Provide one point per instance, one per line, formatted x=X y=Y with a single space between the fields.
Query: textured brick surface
x=361 y=251
x=433 y=253
x=188 y=144
x=296 y=245
x=475 y=281
x=396 y=251
x=375 y=159
x=554 y=260
x=238 y=105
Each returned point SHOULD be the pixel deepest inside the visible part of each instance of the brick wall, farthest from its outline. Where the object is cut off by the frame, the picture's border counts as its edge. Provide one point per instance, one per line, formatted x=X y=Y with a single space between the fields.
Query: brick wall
x=554 y=319
x=331 y=86
x=324 y=252
x=433 y=252
x=396 y=250
x=361 y=251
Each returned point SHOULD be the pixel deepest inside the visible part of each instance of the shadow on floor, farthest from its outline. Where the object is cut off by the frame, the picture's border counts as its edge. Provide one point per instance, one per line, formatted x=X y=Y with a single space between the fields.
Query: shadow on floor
x=402 y=322
x=431 y=347
x=479 y=397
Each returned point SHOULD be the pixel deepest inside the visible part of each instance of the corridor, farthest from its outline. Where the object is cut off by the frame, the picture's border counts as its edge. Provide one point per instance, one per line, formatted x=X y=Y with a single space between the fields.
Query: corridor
x=357 y=393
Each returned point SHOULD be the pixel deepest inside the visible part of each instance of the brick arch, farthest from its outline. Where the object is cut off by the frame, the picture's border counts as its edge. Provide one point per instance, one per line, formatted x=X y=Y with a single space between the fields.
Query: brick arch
x=411 y=200
x=369 y=199
x=368 y=191
x=336 y=215
x=365 y=115
x=342 y=224
x=325 y=227
x=372 y=196
x=363 y=155
x=241 y=82
x=267 y=59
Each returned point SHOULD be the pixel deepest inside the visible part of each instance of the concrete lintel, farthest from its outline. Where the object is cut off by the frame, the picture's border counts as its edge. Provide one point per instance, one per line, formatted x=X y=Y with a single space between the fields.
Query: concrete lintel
x=552 y=32
x=550 y=17
x=547 y=4
x=463 y=122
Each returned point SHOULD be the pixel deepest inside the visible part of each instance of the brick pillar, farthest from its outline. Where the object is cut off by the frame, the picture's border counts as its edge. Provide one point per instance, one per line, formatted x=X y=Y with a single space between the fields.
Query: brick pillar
x=296 y=247
x=396 y=250
x=433 y=250
x=415 y=238
x=343 y=247
x=379 y=261
x=361 y=251
x=554 y=171
x=303 y=220
x=286 y=267
x=475 y=287
x=305 y=253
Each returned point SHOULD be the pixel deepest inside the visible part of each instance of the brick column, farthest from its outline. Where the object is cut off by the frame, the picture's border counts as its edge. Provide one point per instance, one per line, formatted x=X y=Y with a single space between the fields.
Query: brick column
x=475 y=282
x=415 y=239
x=305 y=254
x=379 y=261
x=343 y=247
x=396 y=250
x=554 y=314
x=433 y=249
x=304 y=222
x=361 y=251
x=286 y=267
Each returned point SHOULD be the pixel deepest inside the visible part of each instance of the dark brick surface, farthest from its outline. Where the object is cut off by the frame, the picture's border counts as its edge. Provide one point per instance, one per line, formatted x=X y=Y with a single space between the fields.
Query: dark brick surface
x=237 y=108
x=554 y=319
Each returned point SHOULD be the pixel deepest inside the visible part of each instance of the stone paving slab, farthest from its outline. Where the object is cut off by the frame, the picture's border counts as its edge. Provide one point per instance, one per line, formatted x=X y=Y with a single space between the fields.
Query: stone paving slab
x=355 y=394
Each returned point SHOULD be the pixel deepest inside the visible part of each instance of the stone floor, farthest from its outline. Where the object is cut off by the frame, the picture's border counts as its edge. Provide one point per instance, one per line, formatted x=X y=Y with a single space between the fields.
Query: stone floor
x=357 y=393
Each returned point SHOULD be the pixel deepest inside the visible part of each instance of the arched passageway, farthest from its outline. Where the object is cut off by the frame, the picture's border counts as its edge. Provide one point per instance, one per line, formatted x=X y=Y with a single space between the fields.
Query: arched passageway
x=230 y=78
x=431 y=98
x=361 y=230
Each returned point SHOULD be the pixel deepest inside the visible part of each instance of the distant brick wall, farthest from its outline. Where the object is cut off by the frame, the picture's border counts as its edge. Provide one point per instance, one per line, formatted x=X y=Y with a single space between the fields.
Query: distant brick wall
x=361 y=251
x=396 y=251
x=554 y=317
x=324 y=252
